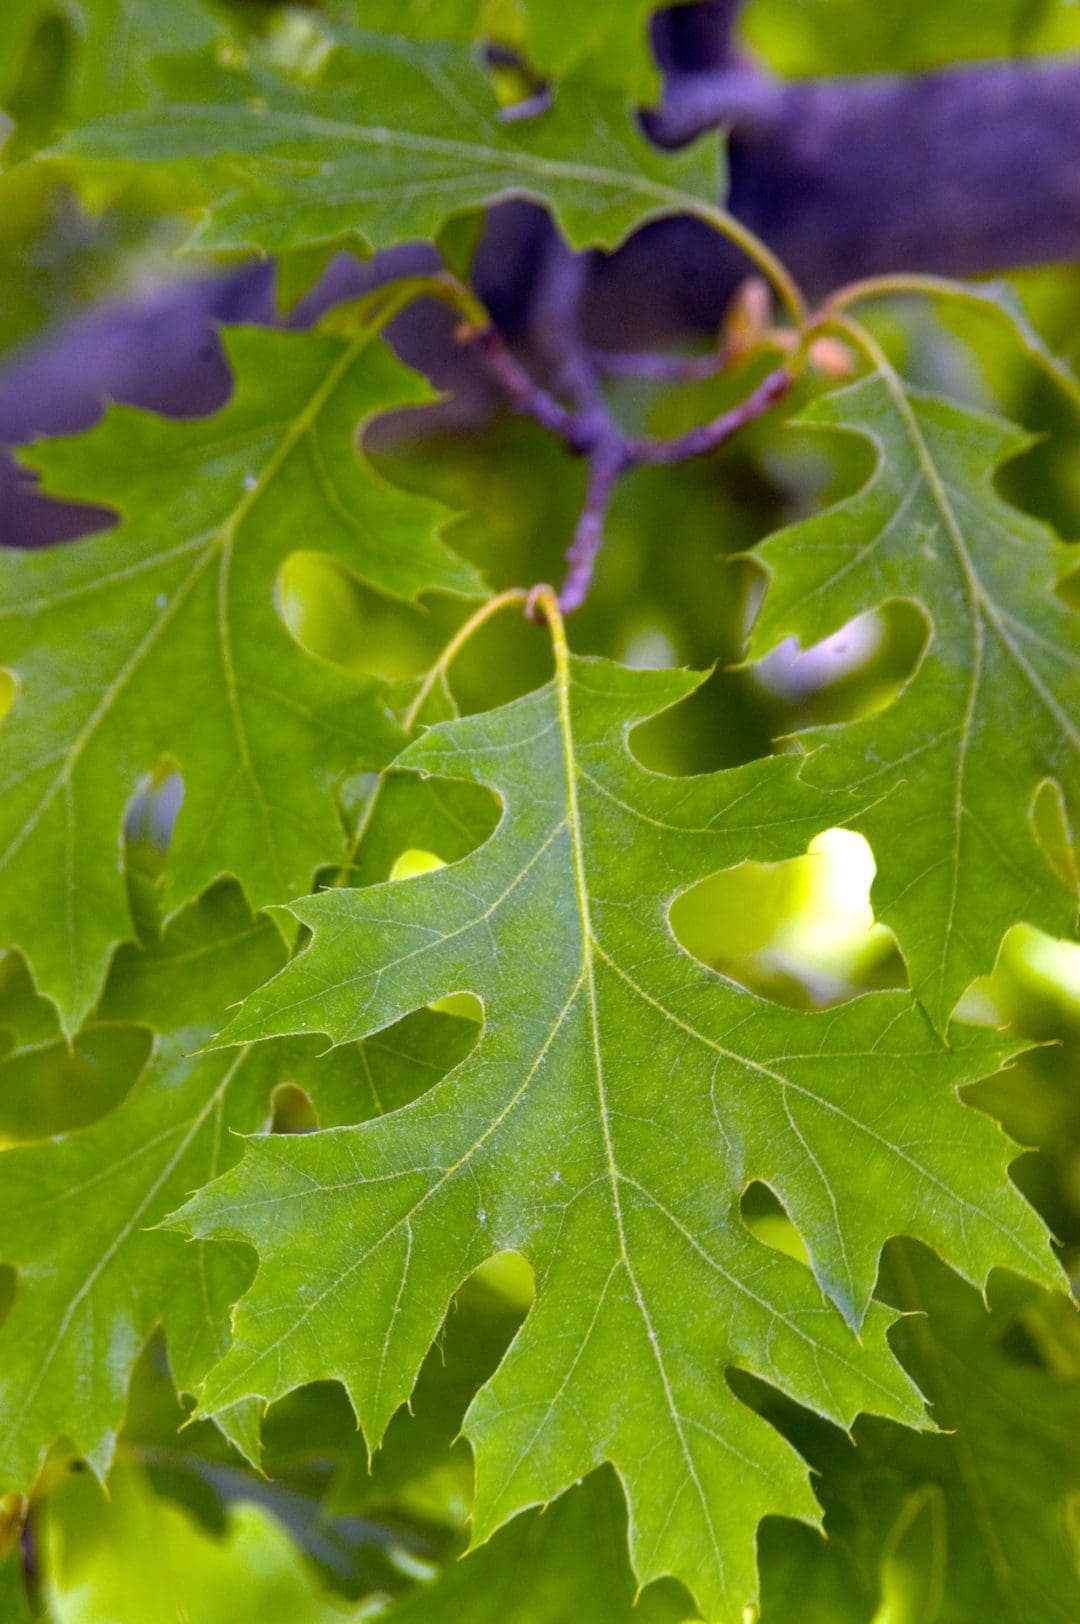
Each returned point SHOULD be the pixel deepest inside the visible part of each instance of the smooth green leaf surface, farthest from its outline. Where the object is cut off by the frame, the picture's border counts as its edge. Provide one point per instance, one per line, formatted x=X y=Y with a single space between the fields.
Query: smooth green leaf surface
x=618 y=1102
x=991 y=713
x=396 y=136
x=161 y=638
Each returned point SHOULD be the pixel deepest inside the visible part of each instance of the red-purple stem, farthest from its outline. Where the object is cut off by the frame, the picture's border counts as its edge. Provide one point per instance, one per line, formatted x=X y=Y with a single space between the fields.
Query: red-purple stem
x=588 y=429
x=607 y=462
x=522 y=391
x=700 y=441
x=659 y=368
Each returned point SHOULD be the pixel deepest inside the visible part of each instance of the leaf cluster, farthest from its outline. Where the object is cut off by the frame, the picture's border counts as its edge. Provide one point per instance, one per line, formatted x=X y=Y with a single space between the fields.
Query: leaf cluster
x=443 y=1115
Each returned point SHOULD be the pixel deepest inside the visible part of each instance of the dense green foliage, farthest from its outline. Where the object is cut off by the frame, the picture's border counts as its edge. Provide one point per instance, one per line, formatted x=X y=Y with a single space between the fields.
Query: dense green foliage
x=426 y=1028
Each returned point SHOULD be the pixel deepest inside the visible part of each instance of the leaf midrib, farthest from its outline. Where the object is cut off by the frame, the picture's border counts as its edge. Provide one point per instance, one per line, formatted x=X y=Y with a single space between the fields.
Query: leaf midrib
x=472 y=154
x=588 y=971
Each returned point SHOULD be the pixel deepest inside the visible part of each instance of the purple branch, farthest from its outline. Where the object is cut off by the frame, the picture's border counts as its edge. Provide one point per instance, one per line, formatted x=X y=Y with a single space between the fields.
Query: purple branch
x=659 y=368
x=522 y=391
x=700 y=441
x=615 y=454
x=958 y=172
x=557 y=331
x=607 y=463
x=590 y=430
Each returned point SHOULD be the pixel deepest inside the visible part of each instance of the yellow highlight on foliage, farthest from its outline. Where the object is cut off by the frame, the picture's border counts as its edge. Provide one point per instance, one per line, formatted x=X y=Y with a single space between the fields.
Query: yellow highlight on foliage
x=806 y=921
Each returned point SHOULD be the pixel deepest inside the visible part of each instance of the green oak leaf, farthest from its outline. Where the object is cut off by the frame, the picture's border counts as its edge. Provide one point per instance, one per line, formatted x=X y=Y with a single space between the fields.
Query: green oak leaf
x=568 y=1562
x=990 y=715
x=613 y=35
x=619 y=1100
x=84 y=1310
x=971 y=1521
x=422 y=1469
x=162 y=638
x=394 y=138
